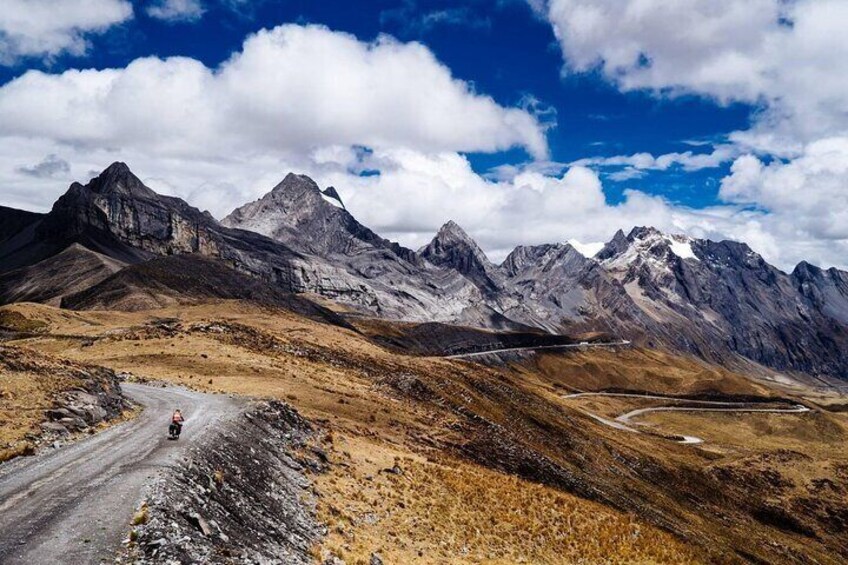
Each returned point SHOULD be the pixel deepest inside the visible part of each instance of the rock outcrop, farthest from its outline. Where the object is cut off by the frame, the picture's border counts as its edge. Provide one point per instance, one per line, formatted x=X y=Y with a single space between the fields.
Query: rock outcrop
x=243 y=496
x=454 y=249
x=54 y=398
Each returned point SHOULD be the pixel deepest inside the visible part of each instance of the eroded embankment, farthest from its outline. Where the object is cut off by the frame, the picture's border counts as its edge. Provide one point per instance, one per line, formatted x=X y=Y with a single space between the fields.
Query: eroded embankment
x=241 y=496
x=45 y=401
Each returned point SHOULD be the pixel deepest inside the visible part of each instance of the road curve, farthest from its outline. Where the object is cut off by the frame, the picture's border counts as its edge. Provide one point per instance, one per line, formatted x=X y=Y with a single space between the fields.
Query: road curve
x=797 y=409
x=537 y=347
x=622 y=422
x=74 y=504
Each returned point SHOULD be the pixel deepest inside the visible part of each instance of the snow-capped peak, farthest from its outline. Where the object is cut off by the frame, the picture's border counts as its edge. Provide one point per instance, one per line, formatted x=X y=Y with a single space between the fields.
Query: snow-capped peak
x=647 y=244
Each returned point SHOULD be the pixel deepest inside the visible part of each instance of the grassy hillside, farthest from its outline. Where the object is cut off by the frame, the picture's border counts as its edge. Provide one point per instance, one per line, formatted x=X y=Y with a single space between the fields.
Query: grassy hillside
x=440 y=460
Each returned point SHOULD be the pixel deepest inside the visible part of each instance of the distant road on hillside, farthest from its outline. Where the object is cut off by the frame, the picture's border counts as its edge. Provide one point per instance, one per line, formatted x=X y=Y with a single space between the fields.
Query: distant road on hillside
x=581 y=345
x=694 y=405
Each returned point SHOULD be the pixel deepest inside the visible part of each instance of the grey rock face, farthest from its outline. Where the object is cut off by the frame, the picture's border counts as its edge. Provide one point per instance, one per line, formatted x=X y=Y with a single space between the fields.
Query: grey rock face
x=454 y=249
x=826 y=291
x=299 y=214
x=716 y=299
x=403 y=284
x=115 y=214
x=571 y=292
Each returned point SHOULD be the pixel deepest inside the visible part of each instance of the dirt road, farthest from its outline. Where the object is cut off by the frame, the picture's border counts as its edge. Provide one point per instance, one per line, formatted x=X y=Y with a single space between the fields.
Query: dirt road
x=582 y=345
x=75 y=504
x=693 y=405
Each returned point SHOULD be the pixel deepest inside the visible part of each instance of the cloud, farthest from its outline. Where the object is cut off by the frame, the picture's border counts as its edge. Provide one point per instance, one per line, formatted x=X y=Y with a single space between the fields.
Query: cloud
x=788 y=60
x=416 y=193
x=411 y=20
x=633 y=165
x=307 y=99
x=176 y=10
x=766 y=53
x=292 y=88
x=809 y=191
x=49 y=28
x=50 y=166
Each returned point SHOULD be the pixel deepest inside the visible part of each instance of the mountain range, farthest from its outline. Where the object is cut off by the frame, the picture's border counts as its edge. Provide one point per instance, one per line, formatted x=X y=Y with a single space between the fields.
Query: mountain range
x=720 y=300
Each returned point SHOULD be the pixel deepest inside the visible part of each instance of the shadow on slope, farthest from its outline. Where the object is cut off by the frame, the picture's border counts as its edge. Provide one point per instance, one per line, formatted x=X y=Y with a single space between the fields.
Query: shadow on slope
x=189 y=279
x=438 y=339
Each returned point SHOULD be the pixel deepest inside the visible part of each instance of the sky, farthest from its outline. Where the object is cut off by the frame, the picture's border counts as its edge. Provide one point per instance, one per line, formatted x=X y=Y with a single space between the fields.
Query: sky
x=525 y=121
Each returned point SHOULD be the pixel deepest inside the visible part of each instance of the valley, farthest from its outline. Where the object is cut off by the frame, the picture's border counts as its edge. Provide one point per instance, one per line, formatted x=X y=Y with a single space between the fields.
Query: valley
x=667 y=400
x=462 y=433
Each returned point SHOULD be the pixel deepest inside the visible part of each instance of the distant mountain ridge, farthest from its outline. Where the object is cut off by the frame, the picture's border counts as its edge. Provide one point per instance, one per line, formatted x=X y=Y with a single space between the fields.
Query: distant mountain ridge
x=718 y=300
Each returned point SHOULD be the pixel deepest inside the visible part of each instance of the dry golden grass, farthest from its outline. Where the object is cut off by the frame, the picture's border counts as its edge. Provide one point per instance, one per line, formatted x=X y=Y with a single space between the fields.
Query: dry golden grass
x=24 y=397
x=817 y=434
x=642 y=370
x=440 y=417
x=454 y=512
x=29 y=384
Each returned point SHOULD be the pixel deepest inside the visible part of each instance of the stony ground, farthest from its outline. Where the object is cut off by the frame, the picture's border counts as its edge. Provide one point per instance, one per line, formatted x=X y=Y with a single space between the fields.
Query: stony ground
x=242 y=495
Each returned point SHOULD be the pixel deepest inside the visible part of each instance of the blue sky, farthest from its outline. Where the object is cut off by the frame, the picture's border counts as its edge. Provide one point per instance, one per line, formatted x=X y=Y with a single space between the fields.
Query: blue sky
x=526 y=121
x=503 y=47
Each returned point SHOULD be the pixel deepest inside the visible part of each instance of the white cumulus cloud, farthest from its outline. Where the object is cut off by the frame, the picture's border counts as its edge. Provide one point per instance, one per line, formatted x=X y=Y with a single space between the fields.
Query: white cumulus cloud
x=291 y=88
x=48 y=28
x=787 y=59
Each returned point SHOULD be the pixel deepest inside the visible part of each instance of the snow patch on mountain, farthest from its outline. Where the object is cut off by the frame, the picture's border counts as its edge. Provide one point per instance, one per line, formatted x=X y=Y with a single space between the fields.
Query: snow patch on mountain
x=331 y=200
x=682 y=247
x=587 y=250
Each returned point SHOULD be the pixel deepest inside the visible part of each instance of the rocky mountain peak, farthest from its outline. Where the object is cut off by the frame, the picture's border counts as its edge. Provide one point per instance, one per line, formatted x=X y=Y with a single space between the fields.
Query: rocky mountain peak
x=452 y=242
x=806 y=271
x=294 y=201
x=451 y=231
x=453 y=248
x=295 y=185
x=332 y=196
x=117 y=178
x=298 y=213
x=645 y=245
x=543 y=258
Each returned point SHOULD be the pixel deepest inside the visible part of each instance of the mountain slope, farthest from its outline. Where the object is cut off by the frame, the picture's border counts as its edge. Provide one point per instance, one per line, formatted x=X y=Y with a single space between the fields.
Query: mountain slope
x=718 y=300
x=13 y=221
x=715 y=298
x=188 y=279
x=405 y=285
x=74 y=269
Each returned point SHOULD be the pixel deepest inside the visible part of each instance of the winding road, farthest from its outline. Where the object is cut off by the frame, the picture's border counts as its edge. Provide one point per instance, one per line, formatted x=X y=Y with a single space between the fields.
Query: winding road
x=516 y=349
x=622 y=422
x=74 y=504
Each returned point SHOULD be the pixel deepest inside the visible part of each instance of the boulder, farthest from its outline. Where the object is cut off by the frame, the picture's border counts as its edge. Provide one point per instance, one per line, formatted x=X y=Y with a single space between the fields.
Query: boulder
x=94 y=413
x=54 y=427
x=74 y=423
x=58 y=414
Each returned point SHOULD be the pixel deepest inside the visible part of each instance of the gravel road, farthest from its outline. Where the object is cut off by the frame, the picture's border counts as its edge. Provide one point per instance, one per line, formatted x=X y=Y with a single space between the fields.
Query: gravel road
x=74 y=504
x=694 y=405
